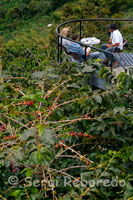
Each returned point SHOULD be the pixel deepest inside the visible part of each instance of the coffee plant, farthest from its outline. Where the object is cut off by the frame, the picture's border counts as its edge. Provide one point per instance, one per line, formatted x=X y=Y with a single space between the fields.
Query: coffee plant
x=62 y=138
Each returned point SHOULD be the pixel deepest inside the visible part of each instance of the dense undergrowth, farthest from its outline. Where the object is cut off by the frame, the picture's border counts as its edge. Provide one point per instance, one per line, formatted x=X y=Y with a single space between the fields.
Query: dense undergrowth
x=60 y=137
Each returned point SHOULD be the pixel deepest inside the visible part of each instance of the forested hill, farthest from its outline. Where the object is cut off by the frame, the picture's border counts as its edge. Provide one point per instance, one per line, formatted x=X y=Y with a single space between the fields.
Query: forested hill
x=21 y=15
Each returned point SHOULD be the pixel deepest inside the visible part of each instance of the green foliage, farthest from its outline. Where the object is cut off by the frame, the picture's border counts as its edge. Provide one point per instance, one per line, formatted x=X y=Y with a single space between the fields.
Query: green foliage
x=20 y=15
x=94 y=9
x=55 y=127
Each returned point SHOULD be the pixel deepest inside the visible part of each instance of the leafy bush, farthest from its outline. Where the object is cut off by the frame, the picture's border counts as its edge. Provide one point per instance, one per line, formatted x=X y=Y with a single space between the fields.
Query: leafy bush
x=61 y=138
x=58 y=135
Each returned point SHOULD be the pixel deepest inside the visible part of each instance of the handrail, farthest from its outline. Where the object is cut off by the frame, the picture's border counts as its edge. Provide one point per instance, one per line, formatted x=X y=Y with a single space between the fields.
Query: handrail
x=95 y=48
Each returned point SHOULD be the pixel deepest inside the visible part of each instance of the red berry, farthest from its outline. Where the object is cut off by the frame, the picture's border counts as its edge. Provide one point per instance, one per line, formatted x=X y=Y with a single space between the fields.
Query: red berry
x=57 y=145
x=86 y=135
x=2 y=128
x=50 y=113
x=15 y=169
x=25 y=102
x=75 y=134
x=80 y=134
x=74 y=121
x=31 y=103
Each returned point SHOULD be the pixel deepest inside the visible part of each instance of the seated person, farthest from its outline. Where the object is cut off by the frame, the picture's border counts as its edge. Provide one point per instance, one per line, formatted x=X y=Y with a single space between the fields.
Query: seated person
x=77 y=48
x=115 y=43
x=64 y=32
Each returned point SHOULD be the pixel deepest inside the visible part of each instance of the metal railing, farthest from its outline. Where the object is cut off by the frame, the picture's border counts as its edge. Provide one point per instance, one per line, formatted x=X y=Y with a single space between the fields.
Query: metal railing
x=81 y=21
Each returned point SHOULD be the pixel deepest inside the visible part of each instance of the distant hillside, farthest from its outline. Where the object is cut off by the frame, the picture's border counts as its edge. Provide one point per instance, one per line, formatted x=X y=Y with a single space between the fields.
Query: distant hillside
x=25 y=21
x=20 y=15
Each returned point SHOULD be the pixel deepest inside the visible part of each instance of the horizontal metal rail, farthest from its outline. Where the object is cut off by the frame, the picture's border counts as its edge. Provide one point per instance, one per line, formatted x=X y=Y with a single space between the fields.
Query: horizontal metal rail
x=95 y=48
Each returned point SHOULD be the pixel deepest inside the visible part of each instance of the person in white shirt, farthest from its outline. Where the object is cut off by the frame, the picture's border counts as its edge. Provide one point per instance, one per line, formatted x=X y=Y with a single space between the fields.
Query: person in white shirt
x=115 y=43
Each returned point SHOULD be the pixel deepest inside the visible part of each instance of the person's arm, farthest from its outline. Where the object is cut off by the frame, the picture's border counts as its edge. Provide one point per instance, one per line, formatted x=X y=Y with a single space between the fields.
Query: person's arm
x=81 y=51
x=113 y=45
x=110 y=41
x=88 y=51
x=117 y=43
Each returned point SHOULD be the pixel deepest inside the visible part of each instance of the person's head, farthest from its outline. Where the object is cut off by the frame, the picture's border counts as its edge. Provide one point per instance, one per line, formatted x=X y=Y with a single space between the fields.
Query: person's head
x=75 y=36
x=64 y=32
x=112 y=27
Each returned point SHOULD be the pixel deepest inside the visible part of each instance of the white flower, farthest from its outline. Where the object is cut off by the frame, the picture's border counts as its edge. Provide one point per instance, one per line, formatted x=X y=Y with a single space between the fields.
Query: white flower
x=49 y=25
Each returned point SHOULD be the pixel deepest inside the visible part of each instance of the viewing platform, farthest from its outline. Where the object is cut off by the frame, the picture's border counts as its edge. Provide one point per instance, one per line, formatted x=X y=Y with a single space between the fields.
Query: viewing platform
x=98 y=28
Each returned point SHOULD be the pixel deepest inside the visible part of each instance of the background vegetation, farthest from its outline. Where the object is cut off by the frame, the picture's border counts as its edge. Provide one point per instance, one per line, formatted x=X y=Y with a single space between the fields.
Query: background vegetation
x=54 y=124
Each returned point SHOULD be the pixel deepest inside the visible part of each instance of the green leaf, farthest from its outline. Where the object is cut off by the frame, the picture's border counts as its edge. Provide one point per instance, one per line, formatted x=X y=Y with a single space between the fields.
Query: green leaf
x=36 y=157
x=38 y=74
x=120 y=110
x=16 y=193
x=88 y=69
x=29 y=133
x=19 y=154
x=33 y=157
x=40 y=129
x=73 y=85
x=131 y=72
x=48 y=137
x=131 y=157
x=98 y=98
x=53 y=76
x=24 y=170
x=29 y=172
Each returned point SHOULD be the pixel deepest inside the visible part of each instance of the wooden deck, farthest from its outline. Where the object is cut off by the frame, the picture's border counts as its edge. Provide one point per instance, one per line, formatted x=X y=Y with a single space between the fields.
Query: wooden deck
x=120 y=69
x=126 y=59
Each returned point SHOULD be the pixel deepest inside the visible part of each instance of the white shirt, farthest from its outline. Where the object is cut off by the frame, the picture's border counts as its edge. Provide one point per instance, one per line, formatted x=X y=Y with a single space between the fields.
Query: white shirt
x=117 y=38
x=64 y=42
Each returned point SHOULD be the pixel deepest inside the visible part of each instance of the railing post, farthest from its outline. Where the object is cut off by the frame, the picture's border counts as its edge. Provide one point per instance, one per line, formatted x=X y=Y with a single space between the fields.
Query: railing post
x=80 y=29
x=58 y=51
x=111 y=62
x=85 y=53
x=61 y=52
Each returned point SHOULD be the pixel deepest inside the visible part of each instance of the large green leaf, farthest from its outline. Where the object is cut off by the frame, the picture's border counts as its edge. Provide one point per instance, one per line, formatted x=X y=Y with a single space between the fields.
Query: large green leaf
x=29 y=133
x=98 y=98
x=47 y=137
